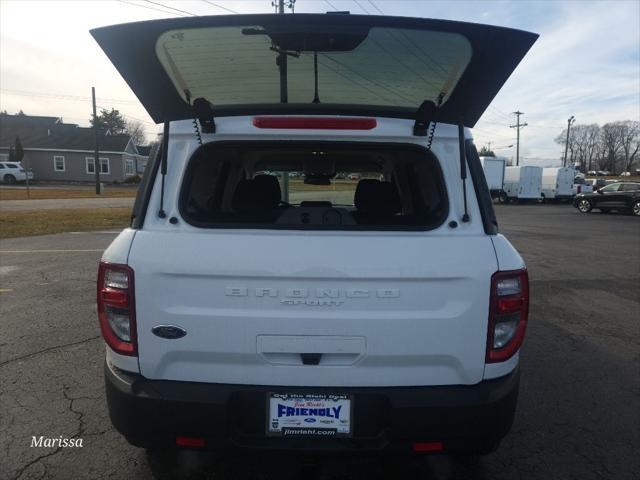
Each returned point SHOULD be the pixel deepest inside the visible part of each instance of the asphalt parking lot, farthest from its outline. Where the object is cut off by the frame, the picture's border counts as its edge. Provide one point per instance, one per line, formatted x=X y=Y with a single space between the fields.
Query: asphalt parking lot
x=579 y=410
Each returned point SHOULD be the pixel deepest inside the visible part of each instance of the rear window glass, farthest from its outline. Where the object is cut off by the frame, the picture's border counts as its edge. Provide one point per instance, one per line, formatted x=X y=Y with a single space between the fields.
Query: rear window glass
x=356 y=66
x=313 y=186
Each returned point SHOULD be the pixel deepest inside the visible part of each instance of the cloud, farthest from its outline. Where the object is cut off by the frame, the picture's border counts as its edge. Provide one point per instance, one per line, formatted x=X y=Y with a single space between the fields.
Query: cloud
x=586 y=62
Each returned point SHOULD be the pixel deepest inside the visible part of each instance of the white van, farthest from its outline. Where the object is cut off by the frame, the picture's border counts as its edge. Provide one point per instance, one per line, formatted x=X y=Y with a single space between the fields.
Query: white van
x=366 y=302
x=558 y=183
x=523 y=183
x=493 y=168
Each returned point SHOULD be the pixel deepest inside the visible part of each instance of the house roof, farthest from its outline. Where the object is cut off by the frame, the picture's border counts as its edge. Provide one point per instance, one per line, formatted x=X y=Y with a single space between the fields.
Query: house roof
x=144 y=150
x=51 y=133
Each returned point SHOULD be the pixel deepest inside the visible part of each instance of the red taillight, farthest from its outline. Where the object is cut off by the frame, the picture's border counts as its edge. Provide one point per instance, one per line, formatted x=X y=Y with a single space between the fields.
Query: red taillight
x=428 y=447
x=316 y=123
x=194 y=442
x=508 y=314
x=116 y=308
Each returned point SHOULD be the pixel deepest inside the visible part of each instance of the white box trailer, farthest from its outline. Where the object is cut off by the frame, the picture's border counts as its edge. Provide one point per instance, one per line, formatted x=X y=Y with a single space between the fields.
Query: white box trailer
x=557 y=183
x=523 y=183
x=494 y=174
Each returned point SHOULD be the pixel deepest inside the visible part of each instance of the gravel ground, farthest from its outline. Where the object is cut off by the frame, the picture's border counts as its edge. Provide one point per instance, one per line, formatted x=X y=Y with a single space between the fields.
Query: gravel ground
x=579 y=411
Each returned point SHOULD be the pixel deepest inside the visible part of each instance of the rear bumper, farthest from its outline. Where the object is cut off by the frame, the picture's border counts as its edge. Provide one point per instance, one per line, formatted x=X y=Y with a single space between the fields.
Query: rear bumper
x=151 y=413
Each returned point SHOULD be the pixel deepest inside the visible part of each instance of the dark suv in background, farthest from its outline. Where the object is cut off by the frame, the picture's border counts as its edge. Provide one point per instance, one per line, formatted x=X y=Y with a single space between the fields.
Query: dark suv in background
x=621 y=196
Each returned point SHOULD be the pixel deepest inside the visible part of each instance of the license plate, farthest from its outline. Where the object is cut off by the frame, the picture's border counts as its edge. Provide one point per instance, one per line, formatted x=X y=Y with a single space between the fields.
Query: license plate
x=315 y=415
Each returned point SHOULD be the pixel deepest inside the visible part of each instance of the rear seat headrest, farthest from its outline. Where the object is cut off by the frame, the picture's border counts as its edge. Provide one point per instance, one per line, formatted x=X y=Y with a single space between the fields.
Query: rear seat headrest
x=270 y=184
x=376 y=197
x=259 y=195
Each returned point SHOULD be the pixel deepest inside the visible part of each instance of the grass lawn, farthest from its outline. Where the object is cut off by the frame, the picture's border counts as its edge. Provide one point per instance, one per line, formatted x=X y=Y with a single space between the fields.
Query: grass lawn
x=46 y=193
x=42 y=222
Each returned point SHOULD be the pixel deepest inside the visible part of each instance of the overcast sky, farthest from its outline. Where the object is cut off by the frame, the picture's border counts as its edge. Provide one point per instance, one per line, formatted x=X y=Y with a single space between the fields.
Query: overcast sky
x=586 y=62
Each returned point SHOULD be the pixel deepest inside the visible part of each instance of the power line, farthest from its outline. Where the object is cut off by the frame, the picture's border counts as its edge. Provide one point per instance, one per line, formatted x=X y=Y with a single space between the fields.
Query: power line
x=331 y=5
x=62 y=96
x=361 y=7
x=380 y=85
x=376 y=7
x=76 y=98
x=359 y=84
x=405 y=65
x=220 y=6
x=150 y=8
x=429 y=58
x=102 y=107
x=498 y=124
x=497 y=111
x=170 y=8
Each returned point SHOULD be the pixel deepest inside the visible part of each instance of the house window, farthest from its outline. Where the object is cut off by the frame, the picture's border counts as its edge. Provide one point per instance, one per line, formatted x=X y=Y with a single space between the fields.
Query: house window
x=104 y=166
x=91 y=165
x=128 y=167
x=58 y=163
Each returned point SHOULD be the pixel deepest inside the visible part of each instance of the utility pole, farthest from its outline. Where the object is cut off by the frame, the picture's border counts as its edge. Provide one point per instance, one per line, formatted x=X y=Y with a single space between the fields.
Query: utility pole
x=489 y=146
x=518 y=126
x=570 y=121
x=96 y=161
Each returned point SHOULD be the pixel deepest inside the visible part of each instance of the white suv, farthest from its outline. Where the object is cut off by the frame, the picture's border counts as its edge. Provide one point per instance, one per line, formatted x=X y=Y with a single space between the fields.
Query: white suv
x=313 y=260
x=12 y=172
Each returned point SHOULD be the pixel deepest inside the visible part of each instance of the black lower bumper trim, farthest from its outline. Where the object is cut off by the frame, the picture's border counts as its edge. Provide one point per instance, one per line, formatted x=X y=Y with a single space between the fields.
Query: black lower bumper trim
x=151 y=413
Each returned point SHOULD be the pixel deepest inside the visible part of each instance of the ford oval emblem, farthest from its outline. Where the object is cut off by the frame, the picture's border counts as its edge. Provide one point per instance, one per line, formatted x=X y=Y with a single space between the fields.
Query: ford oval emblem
x=170 y=332
x=310 y=420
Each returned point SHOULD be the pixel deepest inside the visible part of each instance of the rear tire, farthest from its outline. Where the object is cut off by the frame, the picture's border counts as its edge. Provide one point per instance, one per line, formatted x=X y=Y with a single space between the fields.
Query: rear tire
x=635 y=208
x=584 y=206
x=9 y=179
x=503 y=198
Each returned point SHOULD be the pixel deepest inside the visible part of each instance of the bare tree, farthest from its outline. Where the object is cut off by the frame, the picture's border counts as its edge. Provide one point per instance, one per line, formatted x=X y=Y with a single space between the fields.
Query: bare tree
x=562 y=140
x=630 y=142
x=583 y=144
x=137 y=132
x=611 y=139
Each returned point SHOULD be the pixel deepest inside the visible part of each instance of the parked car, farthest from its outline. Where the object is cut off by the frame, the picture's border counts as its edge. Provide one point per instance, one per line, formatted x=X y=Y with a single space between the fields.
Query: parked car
x=620 y=196
x=592 y=173
x=602 y=173
x=386 y=318
x=13 y=172
x=625 y=174
x=354 y=176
